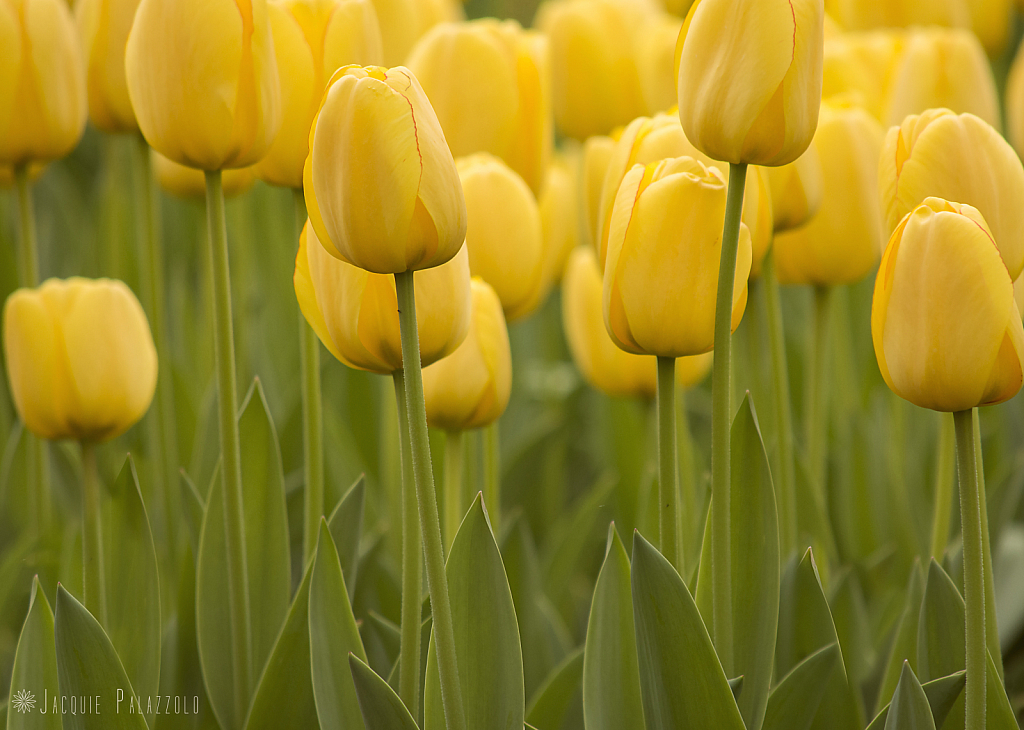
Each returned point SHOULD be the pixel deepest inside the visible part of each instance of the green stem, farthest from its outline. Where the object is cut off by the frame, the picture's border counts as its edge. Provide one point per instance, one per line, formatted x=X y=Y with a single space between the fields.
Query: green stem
x=412 y=562
x=971 y=509
x=453 y=509
x=92 y=537
x=944 y=463
x=492 y=476
x=433 y=550
x=991 y=625
x=783 y=407
x=668 y=460
x=721 y=421
x=816 y=423
x=231 y=464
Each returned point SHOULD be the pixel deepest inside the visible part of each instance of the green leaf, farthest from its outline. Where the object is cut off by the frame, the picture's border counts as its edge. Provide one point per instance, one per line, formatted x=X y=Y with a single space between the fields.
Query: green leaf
x=942 y=694
x=611 y=675
x=681 y=680
x=486 y=634
x=35 y=665
x=87 y=666
x=194 y=508
x=268 y=559
x=904 y=646
x=346 y=525
x=549 y=704
x=794 y=702
x=333 y=636
x=909 y=709
x=381 y=708
x=132 y=584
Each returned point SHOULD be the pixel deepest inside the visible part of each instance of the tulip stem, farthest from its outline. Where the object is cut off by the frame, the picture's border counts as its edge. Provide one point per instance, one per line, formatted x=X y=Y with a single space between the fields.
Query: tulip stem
x=816 y=423
x=668 y=460
x=453 y=509
x=943 y=512
x=686 y=492
x=231 y=472
x=971 y=509
x=492 y=477
x=721 y=421
x=92 y=537
x=412 y=562
x=433 y=550
x=991 y=626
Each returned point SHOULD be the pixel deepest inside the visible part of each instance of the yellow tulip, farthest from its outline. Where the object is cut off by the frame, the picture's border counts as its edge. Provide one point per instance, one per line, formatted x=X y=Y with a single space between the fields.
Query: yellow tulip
x=559 y=219
x=992 y=21
x=595 y=80
x=42 y=82
x=312 y=40
x=750 y=78
x=1015 y=102
x=661 y=274
x=380 y=183
x=190 y=184
x=202 y=78
x=862 y=65
x=946 y=331
x=355 y=312
x=842 y=242
x=796 y=190
x=104 y=26
x=80 y=358
x=489 y=83
x=868 y=14
x=470 y=388
x=656 y=61
x=943 y=68
x=597 y=154
x=403 y=22
x=961 y=158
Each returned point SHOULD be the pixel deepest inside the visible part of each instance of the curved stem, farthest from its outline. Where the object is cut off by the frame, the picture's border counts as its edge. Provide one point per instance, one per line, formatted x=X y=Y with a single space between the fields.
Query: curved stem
x=944 y=462
x=437 y=581
x=668 y=460
x=453 y=509
x=816 y=422
x=231 y=472
x=92 y=537
x=721 y=421
x=492 y=477
x=971 y=508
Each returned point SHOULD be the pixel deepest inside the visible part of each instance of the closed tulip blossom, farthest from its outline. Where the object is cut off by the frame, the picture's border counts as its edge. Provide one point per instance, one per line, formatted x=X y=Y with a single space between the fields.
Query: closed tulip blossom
x=80 y=358
x=868 y=14
x=403 y=22
x=795 y=190
x=104 y=26
x=559 y=218
x=992 y=22
x=862 y=65
x=190 y=184
x=597 y=154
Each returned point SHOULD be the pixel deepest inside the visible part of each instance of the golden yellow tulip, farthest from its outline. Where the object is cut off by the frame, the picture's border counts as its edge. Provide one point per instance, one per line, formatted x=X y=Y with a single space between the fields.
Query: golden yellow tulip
x=380 y=183
x=489 y=83
x=943 y=68
x=661 y=273
x=960 y=158
x=505 y=236
x=355 y=312
x=597 y=154
x=80 y=358
x=595 y=80
x=843 y=241
x=868 y=14
x=750 y=78
x=655 y=60
x=42 y=82
x=992 y=21
x=403 y=22
x=202 y=78
x=190 y=184
x=861 y=65
x=312 y=40
x=946 y=330
x=104 y=26
x=1015 y=102
x=796 y=190
x=559 y=219
x=470 y=388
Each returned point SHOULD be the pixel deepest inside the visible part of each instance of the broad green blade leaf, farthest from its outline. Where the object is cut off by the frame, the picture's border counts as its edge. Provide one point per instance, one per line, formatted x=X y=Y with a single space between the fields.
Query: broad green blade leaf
x=35 y=667
x=611 y=676
x=87 y=666
x=681 y=680
x=736 y=685
x=794 y=702
x=268 y=559
x=904 y=646
x=132 y=584
x=548 y=706
x=942 y=694
x=333 y=636
x=381 y=708
x=486 y=634
x=346 y=524
x=284 y=695
x=909 y=709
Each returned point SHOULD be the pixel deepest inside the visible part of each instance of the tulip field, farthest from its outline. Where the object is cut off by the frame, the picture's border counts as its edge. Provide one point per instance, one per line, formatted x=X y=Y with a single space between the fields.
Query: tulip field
x=511 y=364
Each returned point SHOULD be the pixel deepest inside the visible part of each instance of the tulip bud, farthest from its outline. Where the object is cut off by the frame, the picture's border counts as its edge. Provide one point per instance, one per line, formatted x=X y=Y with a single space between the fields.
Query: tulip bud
x=489 y=83
x=961 y=158
x=664 y=248
x=992 y=21
x=868 y=14
x=946 y=331
x=656 y=61
x=943 y=68
x=1015 y=102
x=355 y=312
x=559 y=220
x=104 y=26
x=403 y=22
x=750 y=93
x=80 y=358
x=861 y=66
x=202 y=78
x=470 y=388
x=190 y=184
x=380 y=184
x=597 y=154
x=312 y=40
x=842 y=242
x=42 y=82
x=796 y=190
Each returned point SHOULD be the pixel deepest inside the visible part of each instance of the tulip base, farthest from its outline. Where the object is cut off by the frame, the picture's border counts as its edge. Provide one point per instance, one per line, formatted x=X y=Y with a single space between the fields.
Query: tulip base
x=668 y=461
x=95 y=593
x=453 y=509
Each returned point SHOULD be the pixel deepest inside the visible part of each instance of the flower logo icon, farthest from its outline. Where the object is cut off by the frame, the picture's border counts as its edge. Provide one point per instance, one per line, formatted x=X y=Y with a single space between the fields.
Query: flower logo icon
x=23 y=701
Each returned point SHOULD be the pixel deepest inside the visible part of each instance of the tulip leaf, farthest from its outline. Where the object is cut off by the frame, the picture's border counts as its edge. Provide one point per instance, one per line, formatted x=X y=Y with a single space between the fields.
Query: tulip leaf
x=268 y=559
x=346 y=525
x=35 y=666
x=904 y=646
x=195 y=508
x=942 y=694
x=381 y=708
x=487 y=644
x=88 y=666
x=333 y=636
x=909 y=709
x=681 y=679
x=611 y=675
x=549 y=704
x=794 y=702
